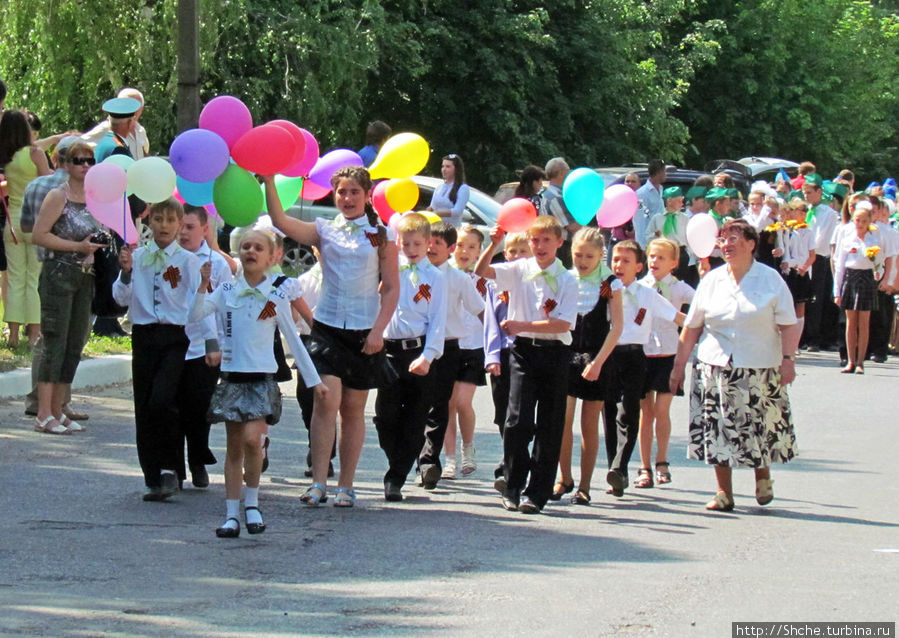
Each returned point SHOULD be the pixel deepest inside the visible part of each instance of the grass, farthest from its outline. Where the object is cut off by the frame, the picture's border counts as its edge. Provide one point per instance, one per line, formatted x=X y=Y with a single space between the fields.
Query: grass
x=20 y=357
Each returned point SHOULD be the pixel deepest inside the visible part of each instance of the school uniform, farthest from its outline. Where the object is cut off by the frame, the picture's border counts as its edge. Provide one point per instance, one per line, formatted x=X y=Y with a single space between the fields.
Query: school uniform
x=821 y=313
x=310 y=287
x=416 y=329
x=538 y=376
x=497 y=345
x=461 y=297
x=249 y=315
x=471 y=344
x=589 y=333
x=662 y=344
x=159 y=291
x=796 y=244
x=882 y=316
x=641 y=305
x=198 y=379
x=853 y=277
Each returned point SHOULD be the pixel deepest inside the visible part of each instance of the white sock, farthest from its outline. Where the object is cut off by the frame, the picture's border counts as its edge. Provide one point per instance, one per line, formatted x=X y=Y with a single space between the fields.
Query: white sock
x=232 y=510
x=250 y=500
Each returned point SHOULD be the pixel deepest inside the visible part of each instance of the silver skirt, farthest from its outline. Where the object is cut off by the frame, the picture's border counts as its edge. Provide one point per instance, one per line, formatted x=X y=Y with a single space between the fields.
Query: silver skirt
x=242 y=402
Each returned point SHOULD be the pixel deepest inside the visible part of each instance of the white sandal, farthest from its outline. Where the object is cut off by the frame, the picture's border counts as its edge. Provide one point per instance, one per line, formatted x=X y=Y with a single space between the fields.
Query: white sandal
x=764 y=491
x=721 y=503
x=45 y=427
x=72 y=426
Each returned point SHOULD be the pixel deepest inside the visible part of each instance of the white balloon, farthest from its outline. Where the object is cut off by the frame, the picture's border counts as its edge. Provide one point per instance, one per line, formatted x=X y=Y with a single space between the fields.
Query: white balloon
x=702 y=233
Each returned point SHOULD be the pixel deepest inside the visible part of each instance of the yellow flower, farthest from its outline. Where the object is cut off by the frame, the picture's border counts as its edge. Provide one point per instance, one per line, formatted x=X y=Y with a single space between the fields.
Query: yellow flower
x=872 y=228
x=773 y=228
x=871 y=252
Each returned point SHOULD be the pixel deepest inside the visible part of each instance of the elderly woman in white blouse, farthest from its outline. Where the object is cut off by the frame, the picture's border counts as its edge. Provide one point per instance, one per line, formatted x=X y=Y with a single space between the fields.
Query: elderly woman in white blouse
x=743 y=320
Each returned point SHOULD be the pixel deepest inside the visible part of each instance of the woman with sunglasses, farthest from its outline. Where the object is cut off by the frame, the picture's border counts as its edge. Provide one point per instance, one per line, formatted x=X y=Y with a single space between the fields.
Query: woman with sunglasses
x=21 y=162
x=450 y=198
x=743 y=319
x=65 y=228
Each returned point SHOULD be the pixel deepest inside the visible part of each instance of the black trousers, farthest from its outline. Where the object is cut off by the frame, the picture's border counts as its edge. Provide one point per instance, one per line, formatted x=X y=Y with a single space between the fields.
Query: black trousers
x=443 y=373
x=195 y=390
x=881 y=324
x=621 y=424
x=401 y=409
x=157 y=361
x=821 y=314
x=538 y=384
x=499 y=389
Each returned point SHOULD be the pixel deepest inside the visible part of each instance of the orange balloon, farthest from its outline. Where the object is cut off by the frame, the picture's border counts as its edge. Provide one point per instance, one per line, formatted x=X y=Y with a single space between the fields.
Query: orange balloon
x=516 y=215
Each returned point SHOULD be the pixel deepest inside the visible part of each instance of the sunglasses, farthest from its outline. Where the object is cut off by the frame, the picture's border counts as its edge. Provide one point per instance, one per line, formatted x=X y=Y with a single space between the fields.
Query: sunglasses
x=81 y=161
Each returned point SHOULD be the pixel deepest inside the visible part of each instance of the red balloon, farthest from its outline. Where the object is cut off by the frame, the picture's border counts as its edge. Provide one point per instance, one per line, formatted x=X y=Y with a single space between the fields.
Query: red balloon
x=516 y=215
x=312 y=191
x=299 y=141
x=379 y=201
x=264 y=150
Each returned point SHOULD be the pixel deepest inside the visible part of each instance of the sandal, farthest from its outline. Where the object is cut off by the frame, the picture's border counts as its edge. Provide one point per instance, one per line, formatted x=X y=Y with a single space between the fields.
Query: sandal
x=721 y=503
x=254 y=528
x=226 y=531
x=581 y=497
x=560 y=490
x=45 y=427
x=663 y=477
x=71 y=425
x=346 y=497
x=315 y=495
x=764 y=492
x=644 y=478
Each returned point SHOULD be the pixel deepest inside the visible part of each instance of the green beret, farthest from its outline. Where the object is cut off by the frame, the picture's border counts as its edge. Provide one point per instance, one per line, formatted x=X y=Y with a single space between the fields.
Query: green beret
x=714 y=194
x=672 y=191
x=814 y=179
x=695 y=192
x=835 y=188
x=794 y=194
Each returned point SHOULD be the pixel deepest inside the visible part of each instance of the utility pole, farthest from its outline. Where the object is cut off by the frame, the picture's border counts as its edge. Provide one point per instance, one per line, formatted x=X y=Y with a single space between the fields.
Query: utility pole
x=188 y=64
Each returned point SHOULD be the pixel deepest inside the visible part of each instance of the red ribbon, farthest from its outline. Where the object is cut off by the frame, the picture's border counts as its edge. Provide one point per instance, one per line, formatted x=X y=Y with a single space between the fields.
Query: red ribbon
x=482 y=286
x=373 y=239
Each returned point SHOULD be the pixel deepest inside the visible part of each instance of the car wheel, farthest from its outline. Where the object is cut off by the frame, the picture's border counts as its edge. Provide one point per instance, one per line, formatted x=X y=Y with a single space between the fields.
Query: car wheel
x=297 y=260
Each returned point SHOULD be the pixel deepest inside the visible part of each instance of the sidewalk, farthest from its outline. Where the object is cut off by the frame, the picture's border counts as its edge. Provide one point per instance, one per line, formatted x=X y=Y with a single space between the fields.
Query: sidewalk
x=105 y=370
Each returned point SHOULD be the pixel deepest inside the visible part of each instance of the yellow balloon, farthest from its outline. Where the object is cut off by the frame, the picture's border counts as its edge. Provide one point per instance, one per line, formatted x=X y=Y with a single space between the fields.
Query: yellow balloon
x=432 y=218
x=402 y=194
x=401 y=156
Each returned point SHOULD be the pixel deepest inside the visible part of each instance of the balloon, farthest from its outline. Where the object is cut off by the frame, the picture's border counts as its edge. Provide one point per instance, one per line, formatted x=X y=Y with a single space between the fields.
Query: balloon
x=265 y=150
x=582 y=192
x=516 y=215
x=329 y=163
x=105 y=182
x=152 y=179
x=402 y=155
x=618 y=206
x=124 y=161
x=310 y=157
x=431 y=216
x=237 y=197
x=115 y=215
x=299 y=141
x=379 y=201
x=402 y=194
x=199 y=155
x=288 y=191
x=195 y=194
x=702 y=232
x=394 y=220
x=227 y=116
x=312 y=191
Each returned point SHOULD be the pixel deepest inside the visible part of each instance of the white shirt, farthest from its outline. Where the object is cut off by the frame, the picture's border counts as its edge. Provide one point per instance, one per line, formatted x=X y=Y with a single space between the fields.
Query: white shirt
x=531 y=298
x=473 y=339
x=137 y=142
x=740 y=321
x=641 y=306
x=310 y=290
x=200 y=331
x=850 y=255
x=249 y=322
x=657 y=225
x=160 y=294
x=797 y=244
x=761 y=220
x=421 y=309
x=588 y=289
x=823 y=226
x=350 y=272
x=663 y=338
x=461 y=298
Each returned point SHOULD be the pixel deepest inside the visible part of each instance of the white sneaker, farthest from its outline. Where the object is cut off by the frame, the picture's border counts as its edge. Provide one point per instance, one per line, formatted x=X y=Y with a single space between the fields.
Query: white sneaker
x=469 y=462
x=449 y=470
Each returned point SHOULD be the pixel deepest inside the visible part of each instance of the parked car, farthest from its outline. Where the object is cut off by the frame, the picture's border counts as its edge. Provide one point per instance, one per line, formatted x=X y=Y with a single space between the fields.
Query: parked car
x=753 y=169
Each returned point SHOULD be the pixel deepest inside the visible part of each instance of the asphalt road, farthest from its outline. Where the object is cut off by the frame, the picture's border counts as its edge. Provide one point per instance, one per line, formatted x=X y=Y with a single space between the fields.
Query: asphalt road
x=82 y=555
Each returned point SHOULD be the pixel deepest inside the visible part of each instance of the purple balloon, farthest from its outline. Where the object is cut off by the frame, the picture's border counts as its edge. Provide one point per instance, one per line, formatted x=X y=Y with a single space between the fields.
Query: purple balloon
x=198 y=155
x=310 y=157
x=328 y=164
x=227 y=116
x=105 y=182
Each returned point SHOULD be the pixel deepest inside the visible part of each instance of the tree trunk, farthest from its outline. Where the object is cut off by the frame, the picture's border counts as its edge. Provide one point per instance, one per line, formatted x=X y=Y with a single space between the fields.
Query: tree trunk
x=188 y=65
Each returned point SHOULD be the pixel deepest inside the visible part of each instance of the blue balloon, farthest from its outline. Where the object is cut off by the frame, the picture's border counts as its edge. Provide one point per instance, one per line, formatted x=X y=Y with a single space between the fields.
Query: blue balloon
x=582 y=192
x=193 y=193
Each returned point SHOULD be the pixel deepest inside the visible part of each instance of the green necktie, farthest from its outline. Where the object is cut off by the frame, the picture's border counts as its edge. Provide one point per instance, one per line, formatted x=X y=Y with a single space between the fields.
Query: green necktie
x=670 y=228
x=252 y=292
x=663 y=288
x=718 y=219
x=811 y=215
x=346 y=224
x=599 y=274
x=550 y=279
x=414 y=269
x=155 y=258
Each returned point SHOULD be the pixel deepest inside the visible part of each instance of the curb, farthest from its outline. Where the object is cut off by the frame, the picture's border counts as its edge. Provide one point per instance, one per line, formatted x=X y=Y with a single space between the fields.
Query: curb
x=105 y=370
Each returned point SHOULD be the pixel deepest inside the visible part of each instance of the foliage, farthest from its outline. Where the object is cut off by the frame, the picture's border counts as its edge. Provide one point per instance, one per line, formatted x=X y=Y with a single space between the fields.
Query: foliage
x=20 y=357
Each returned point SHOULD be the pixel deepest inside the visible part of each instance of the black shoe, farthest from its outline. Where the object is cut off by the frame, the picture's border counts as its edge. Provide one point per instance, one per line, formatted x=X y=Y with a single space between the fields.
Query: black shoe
x=844 y=363
x=169 y=485
x=430 y=477
x=265 y=444
x=617 y=481
x=153 y=494
x=392 y=492
x=253 y=528
x=230 y=532
x=199 y=476
x=527 y=506
x=33 y=412
x=879 y=358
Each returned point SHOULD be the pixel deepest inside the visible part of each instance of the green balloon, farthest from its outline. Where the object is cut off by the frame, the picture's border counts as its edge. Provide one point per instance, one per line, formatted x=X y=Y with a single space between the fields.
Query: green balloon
x=288 y=191
x=237 y=197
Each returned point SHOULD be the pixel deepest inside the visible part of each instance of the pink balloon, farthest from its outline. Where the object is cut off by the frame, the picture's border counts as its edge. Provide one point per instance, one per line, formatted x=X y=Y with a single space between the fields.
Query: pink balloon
x=702 y=233
x=328 y=164
x=265 y=150
x=310 y=157
x=312 y=191
x=227 y=116
x=299 y=140
x=177 y=196
x=618 y=206
x=379 y=201
x=114 y=215
x=105 y=182
x=516 y=215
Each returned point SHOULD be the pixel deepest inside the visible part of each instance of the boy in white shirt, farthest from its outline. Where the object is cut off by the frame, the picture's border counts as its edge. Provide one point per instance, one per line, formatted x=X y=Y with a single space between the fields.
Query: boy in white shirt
x=542 y=309
x=413 y=339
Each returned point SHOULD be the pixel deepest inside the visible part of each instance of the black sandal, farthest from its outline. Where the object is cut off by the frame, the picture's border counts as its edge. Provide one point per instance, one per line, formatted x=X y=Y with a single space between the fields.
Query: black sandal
x=254 y=528
x=663 y=477
x=644 y=478
x=559 y=493
x=581 y=497
x=229 y=532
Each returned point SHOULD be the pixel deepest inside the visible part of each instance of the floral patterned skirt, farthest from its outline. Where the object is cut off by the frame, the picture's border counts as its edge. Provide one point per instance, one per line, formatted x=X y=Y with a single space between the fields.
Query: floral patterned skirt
x=739 y=417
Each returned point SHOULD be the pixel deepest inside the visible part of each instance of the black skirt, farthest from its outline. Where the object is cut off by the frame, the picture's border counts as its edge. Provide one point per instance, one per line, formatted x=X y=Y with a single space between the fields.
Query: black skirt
x=800 y=286
x=580 y=388
x=658 y=374
x=857 y=290
x=338 y=352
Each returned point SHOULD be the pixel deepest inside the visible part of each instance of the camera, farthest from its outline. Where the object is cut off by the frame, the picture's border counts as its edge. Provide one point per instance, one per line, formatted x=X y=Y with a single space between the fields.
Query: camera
x=101 y=237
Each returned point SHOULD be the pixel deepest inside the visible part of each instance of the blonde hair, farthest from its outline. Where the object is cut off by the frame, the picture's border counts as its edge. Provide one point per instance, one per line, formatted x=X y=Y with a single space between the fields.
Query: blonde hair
x=471 y=230
x=589 y=235
x=414 y=223
x=516 y=238
x=545 y=224
x=167 y=205
x=271 y=239
x=664 y=242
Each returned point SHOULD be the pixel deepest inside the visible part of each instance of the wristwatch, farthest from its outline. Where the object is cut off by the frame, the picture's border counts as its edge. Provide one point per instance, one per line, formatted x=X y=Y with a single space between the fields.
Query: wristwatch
x=791 y=357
